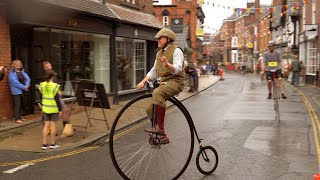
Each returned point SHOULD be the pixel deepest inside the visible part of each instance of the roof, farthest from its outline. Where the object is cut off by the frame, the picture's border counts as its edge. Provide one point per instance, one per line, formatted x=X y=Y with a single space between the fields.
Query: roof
x=181 y=38
x=89 y=6
x=109 y=11
x=232 y=17
x=128 y=15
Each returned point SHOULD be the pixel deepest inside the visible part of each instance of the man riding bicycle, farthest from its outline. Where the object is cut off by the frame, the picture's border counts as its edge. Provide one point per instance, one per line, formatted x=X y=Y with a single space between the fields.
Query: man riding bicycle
x=272 y=62
x=168 y=66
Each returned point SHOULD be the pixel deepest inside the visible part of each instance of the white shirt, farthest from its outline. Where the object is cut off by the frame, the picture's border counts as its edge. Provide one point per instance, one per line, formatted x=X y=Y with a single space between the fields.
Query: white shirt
x=177 y=63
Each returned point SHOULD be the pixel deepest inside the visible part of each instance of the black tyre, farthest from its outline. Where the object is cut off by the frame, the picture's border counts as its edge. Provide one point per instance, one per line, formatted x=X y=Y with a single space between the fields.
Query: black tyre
x=276 y=97
x=207 y=160
x=137 y=154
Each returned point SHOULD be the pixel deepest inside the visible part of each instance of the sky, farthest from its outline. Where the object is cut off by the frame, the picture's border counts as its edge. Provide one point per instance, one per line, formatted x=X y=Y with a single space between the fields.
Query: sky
x=215 y=15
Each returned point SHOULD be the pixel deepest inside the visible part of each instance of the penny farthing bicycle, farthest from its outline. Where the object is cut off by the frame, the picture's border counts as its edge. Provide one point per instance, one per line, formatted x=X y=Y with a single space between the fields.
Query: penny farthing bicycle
x=139 y=155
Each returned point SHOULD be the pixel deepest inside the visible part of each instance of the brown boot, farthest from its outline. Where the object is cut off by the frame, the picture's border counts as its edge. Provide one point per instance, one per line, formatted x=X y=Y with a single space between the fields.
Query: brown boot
x=156 y=130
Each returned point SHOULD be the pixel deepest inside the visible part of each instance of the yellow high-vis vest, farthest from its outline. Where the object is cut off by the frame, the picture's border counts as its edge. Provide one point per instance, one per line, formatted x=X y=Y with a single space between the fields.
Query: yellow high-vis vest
x=49 y=91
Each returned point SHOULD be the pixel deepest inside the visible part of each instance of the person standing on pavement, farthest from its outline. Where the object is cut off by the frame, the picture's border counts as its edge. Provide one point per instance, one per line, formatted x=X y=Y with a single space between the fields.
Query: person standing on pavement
x=19 y=81
x=296 y=69
x=2 y=72
x=272 y=61
x=195 y=78
x=47 y=67
x=50 y=108
x=168 y=66
x=189 y=70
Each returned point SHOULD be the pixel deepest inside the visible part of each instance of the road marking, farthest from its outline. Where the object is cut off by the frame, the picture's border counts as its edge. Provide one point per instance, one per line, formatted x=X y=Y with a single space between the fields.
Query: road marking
x=315 y=122
x=10 y=171
x=50 y=157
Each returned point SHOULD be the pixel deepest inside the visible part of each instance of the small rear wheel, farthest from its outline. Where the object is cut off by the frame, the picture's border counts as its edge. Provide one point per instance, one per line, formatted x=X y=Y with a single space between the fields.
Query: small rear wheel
x=207 y=160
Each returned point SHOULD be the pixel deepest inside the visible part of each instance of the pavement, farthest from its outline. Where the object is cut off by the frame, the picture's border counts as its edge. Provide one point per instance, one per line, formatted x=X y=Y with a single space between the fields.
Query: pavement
x=28 y=136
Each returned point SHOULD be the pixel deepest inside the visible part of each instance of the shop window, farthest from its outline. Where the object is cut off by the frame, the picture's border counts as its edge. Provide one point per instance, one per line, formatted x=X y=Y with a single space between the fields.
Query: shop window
x=73 y=55
x=311 y=58
x=131 y=62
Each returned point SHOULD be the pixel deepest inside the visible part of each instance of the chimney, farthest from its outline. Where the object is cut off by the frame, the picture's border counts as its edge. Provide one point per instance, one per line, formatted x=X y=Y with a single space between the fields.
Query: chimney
x=257 y=9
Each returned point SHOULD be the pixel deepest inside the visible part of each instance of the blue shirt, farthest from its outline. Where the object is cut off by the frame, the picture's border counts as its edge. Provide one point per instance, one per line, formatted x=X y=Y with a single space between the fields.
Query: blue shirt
x=16 y=86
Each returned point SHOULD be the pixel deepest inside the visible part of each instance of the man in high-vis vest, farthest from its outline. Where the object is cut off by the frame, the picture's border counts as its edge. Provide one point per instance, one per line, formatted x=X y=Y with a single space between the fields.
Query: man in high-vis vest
x=272 y=61
x=50 y=108
x=168 y=66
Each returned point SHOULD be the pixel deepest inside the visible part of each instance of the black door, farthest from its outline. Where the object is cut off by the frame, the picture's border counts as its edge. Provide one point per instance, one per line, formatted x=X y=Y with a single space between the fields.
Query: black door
x=21 y=40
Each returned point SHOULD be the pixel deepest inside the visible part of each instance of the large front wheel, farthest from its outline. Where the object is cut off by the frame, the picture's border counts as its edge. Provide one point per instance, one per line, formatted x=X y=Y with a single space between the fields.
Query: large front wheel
x=137 y=154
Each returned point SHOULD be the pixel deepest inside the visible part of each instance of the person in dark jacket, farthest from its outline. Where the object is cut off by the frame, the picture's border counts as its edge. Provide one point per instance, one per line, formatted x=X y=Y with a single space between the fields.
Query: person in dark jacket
x=296 y=69
x=2 y=72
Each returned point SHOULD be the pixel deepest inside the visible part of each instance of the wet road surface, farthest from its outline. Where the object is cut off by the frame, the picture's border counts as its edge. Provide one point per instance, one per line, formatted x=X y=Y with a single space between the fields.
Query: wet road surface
x=235 y=117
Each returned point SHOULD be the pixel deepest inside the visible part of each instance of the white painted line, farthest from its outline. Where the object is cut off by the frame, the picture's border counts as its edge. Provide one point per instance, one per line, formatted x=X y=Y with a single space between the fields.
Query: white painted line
x=10 y=171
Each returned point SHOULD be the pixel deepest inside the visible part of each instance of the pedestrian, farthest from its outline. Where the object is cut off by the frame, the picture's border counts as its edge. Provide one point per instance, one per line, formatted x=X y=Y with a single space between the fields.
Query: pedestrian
x=168 y=66
x=296 y=69
x=302 y=74
x=2 y=72
x=208 y=68
x=195 y=78
x=50 y=109
x=47 y=67
x=189 y=70
x=273 y=62
x=19 y=81
x=243 y=67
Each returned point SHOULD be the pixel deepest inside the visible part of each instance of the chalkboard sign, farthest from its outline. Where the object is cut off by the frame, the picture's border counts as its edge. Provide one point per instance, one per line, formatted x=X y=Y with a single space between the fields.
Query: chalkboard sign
x=90 y=93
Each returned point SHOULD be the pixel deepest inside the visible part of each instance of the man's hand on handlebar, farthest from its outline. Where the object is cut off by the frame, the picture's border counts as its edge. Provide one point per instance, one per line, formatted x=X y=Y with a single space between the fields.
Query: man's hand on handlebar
x=140 y=85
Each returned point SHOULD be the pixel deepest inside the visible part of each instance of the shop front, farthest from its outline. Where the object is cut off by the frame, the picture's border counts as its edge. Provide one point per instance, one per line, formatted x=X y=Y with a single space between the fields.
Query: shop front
x=308 y=53
x=80 y=46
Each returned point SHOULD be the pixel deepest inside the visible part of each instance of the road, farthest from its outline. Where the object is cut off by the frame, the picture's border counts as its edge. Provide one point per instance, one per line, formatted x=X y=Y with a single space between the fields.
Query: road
x=234 y=116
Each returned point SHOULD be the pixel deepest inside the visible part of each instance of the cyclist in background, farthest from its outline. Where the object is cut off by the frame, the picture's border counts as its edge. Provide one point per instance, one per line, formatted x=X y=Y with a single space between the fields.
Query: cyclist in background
x=272 y=61
x=168 y=66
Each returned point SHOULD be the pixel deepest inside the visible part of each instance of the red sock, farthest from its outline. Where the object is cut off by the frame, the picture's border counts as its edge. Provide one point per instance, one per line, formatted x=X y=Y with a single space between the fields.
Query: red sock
x=160 y=116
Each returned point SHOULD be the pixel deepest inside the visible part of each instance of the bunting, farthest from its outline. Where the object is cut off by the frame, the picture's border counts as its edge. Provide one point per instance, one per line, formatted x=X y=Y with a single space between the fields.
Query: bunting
x=252 y=9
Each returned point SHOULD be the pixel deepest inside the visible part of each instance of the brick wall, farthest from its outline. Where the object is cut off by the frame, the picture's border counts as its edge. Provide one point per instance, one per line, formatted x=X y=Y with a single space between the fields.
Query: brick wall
x=5 y=60
x=188 y=19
